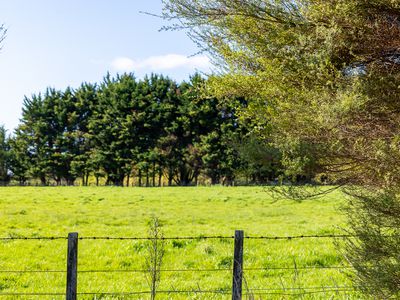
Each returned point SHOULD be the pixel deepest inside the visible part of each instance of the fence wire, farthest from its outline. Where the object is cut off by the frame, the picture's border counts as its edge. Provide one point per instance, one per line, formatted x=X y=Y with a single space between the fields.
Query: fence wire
x=248 y=292
x=185 y=270
x=220 y=237
x=294 y=291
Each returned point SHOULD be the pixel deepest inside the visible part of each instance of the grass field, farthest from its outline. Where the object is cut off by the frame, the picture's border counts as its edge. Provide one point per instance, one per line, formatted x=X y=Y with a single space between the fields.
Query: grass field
x=192 y=211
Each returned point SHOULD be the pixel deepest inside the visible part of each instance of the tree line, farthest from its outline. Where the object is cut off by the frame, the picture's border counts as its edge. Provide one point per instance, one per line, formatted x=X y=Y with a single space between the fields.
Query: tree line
x=125 y=131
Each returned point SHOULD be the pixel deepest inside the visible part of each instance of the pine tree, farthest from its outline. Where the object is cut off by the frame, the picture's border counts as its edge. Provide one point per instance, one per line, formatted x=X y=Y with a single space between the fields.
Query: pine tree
x=4 y=156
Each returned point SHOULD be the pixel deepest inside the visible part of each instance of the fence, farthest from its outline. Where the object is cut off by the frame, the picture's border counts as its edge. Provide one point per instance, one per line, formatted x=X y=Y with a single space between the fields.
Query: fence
x=236 y=292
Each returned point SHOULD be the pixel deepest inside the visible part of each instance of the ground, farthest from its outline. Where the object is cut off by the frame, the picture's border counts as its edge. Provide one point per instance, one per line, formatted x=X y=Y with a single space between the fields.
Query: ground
x=183 y=211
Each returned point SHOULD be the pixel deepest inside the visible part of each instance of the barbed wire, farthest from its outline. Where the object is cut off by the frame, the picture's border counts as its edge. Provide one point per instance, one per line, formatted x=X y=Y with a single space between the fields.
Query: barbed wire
x=162 y=270
x=300 y=237
x=33 y=271
x=31 y=294
x=302 y=288
x=228 y=291
x=152 y=238
x=116 y=238
x=268 y=268
x=300 y=294
x=271 y=291
x=189 y=237
x=253 y=291
x=159 y=292
x=220 y=269
x=34 y=238
x=298 y=268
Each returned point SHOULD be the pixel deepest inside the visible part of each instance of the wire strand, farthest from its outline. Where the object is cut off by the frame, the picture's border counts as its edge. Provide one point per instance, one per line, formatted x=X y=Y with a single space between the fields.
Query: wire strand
x=299 y=237
x=31 y=294
x=182 y=270
x=298 y=268
x=151 y=238
x=162 y=270
x=33 y=271
x=34 y=238
x=191 y=237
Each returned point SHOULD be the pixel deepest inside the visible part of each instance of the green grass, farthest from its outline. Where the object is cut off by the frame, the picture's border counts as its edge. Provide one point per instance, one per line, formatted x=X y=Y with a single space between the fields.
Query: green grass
x=194 y=211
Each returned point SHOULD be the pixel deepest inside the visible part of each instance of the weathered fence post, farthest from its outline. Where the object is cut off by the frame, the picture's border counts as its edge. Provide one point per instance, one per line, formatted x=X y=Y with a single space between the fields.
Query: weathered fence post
x=72 y=266
x=238 y=266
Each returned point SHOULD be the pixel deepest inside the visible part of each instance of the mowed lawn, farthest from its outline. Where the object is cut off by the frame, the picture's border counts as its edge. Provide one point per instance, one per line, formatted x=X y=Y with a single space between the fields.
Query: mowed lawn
x=190 y=211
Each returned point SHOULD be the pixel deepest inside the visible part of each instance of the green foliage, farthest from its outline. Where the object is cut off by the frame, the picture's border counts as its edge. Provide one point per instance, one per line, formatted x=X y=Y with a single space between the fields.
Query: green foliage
x=85 y=160
x=4 y=156
x=155 y=256
x=111 y=128
x=126 y=128
x=19 y=158
x=322 y=81
x=374 y=218
x=261 y=161
x=314 y=73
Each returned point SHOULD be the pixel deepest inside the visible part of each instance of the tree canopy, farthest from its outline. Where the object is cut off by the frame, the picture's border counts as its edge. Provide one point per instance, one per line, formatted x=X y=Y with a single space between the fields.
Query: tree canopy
x=322 y=80
x=316 y=74
x=126 y=131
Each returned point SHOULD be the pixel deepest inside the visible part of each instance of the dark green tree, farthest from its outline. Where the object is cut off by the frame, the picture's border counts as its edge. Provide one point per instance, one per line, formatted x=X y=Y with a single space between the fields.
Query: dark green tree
x=19 y=158
x=111 y=127
x=160 y=110
x=63 y=119
x=4 y=157
x=32 y=134
x=84 y=160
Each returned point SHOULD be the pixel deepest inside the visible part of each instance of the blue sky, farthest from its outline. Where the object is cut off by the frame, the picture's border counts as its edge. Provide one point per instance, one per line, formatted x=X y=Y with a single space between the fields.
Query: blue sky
x=62 y=43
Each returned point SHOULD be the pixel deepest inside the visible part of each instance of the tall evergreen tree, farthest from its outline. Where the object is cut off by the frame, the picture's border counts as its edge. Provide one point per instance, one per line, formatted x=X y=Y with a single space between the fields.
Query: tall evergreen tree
x=4 y=156
x=111 y=127
x=19 y=158
x=33 y=130
x=84 y=160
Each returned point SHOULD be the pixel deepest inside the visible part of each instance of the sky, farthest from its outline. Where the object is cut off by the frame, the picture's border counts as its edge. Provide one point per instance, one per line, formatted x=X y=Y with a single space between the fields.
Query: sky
x=60 y=43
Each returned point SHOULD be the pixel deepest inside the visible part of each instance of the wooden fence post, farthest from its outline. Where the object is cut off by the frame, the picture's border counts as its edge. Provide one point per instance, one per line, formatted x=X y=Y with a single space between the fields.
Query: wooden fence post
x=238 y=266
x=72 y=266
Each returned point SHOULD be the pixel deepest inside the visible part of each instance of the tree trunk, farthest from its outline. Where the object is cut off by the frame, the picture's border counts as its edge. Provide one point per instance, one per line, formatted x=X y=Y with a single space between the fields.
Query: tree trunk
x=70 y=181
x=215 y=179
x=170 y=176
x=43 y=180
x=118 y=180
x=159 y=176
x=154 y=173
x=140 y=177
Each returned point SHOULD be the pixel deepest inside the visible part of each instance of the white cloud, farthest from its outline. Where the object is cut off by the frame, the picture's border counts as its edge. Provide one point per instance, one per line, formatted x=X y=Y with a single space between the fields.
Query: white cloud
x=123 y=64
x=161 y=63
